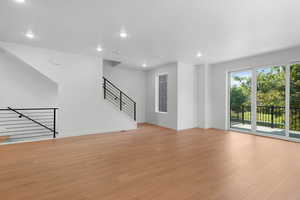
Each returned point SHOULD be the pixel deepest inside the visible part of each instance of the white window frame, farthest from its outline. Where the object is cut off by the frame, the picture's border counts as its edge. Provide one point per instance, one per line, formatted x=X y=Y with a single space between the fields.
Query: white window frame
x=253 y=100
x=157 y=91
x=228 y=86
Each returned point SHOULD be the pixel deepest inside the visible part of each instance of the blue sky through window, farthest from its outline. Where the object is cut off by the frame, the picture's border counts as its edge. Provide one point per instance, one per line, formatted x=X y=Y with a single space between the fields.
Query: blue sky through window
x=240 y=74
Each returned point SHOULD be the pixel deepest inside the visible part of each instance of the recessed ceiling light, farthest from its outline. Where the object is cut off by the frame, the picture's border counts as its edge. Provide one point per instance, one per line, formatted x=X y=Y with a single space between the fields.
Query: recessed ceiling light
x=29 y=34
x=144 y=65
x=123 y=34
x=99 y=48
x=20 y=1
x=199 y=54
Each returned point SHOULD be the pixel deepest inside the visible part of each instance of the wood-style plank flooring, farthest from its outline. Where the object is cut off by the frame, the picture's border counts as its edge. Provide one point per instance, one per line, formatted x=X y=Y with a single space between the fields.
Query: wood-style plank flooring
x=152 y=163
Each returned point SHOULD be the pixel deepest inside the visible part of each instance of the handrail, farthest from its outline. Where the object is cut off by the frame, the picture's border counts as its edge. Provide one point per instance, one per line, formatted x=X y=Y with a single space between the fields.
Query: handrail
x=115 y=96
x=23 y=115
x=118 y=89
x=118 y=94
x=30 y=109
x=271 y=116
x=270 y=106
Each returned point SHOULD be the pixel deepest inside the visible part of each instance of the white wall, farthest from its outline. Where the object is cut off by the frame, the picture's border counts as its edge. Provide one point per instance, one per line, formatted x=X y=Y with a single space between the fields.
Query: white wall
x=132 y=82
x=80 y=94
x=186 y=97
x=22 y=86
x=200 y=87
x=162 y=119
x=41 y=60
x=219 y=84
x=207 y=96
x=82 y=108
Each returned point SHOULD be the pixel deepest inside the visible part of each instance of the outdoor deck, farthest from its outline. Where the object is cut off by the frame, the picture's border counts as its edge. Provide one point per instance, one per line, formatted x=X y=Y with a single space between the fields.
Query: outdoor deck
x=265 y=129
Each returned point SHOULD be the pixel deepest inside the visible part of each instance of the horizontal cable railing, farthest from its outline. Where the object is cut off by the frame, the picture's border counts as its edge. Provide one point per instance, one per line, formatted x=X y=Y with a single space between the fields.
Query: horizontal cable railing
x=118 y=98
x=21 y=123
x=269 y=116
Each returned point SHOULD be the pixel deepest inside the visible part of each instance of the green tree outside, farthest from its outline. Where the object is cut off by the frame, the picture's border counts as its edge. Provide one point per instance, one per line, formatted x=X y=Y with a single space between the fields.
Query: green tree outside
x=270 y=92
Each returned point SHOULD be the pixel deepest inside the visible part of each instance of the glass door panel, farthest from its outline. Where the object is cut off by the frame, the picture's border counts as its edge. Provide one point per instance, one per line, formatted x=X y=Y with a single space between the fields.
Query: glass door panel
x=294 y=121
x=270 y=100
x=240 y=100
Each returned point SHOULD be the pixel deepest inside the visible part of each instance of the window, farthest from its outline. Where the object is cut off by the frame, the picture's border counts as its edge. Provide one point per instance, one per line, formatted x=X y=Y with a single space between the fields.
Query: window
x=240 y=99
x=266 y=100
x=161 y=93
x=294 y=101
x=270 y=100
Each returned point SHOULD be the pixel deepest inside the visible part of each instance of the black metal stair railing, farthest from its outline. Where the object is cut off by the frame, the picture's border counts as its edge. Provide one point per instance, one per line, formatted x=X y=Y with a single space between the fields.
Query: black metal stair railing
x=23 y=123
x=117 y=97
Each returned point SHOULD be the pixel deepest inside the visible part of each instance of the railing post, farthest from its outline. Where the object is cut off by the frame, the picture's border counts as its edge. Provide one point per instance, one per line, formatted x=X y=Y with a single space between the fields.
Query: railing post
x=230 y=114
x=54 y=123
x=104 y=88
x=120 y=100
x=243 y=115
x=111 y=93
x=134 y=111
x=272 y=116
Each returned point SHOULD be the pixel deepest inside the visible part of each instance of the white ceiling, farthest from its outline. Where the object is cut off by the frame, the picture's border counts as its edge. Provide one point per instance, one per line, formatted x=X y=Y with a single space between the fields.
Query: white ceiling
x=159 y=31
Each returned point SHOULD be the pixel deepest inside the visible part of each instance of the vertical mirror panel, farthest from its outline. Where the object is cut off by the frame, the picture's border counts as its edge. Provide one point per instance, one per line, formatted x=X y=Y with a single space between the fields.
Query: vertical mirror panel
x=294 y=101
x=240 y=100
x=270 y=100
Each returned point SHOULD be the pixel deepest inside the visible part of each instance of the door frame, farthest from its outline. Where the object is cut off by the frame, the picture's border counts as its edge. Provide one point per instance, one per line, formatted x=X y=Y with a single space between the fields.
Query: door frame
x=253 y=71
x=228 y=86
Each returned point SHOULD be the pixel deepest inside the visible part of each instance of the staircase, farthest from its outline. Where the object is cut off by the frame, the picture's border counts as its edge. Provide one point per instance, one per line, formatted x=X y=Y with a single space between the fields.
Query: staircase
x=119 y=99
x=27 y=124
x=30 y=124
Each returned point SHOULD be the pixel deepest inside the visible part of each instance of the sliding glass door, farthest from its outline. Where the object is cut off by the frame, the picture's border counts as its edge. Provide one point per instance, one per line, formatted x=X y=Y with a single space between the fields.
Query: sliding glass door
x=270 y=100
x=266 y=100
x=294 y=101
x=240 y=100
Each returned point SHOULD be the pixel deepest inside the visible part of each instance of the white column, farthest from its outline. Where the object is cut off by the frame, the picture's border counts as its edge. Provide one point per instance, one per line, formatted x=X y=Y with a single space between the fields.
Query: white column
x=207 y=96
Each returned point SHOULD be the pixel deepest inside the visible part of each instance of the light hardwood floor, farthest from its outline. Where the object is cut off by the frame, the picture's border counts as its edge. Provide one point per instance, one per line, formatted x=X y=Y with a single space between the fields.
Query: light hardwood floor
x=152 y=163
